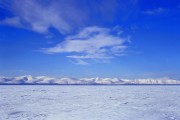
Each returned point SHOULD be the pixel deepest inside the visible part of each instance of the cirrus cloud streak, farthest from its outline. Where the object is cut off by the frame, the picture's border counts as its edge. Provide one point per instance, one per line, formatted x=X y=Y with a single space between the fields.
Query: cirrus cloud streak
x=91 y=43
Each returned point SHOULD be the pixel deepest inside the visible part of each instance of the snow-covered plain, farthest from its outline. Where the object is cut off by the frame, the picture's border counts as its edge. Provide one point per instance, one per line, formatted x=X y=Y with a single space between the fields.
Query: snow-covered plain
x=81 y=102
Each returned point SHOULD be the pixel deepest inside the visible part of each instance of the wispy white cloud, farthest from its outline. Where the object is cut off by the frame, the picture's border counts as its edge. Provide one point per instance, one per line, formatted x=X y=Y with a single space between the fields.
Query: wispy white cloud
x=62 y=15
x=155 y=11
x=41 y=15
x=91 y=43
x=14 y=21
x=80 y=62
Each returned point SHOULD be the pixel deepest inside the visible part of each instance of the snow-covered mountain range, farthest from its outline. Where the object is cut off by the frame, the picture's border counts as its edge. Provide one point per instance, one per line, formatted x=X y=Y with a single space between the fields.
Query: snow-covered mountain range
x=28 y=79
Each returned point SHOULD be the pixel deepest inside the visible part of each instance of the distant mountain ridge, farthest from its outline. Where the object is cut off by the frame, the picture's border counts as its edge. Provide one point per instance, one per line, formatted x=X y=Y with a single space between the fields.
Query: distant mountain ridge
x=28 y=79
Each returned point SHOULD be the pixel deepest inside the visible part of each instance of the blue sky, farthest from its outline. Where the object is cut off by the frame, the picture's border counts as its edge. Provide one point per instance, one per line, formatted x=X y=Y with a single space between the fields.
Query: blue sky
x=82 y=38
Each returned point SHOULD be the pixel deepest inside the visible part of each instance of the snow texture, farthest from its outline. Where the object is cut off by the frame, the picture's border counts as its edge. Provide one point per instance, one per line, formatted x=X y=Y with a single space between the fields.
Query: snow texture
x=81 y=102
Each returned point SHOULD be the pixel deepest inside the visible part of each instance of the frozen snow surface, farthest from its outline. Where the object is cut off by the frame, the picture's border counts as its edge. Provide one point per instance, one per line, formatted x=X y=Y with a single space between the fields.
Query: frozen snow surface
x=91 y=102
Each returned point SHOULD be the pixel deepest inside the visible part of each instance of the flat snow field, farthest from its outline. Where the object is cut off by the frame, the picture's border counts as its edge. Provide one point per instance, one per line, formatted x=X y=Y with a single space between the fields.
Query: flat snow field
x=119 y=102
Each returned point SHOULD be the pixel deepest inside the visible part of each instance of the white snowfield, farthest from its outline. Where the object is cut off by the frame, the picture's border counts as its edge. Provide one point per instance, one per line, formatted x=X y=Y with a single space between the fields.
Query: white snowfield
x=28 y=79
x=83 y=102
